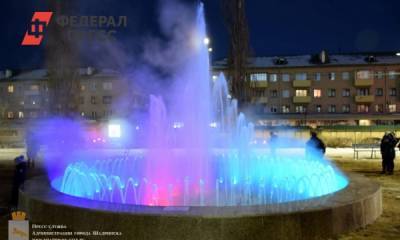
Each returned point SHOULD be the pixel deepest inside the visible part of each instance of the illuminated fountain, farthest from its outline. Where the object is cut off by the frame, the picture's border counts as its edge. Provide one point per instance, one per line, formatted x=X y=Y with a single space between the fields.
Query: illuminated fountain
x=200 y=163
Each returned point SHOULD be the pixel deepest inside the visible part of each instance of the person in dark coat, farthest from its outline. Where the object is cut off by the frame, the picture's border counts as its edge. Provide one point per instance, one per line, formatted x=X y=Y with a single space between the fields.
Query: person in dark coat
x=315 y=147
x=32 y=148
x=388 y=144
x=19 y=178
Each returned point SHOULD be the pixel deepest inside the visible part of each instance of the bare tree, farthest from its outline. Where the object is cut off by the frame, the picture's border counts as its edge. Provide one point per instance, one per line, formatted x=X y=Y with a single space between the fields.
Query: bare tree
x=236 y=21
x=62 y=63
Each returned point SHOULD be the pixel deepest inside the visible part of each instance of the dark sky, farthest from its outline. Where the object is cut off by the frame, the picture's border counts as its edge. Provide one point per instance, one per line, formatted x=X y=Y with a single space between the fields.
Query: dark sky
x=276 y=26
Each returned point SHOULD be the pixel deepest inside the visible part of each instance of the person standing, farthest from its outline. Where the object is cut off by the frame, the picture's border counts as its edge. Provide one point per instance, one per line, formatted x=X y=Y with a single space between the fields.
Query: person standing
x=388 y=152
x=32 y=148
x=315 y=147
x=273 y=144
x=19 y=178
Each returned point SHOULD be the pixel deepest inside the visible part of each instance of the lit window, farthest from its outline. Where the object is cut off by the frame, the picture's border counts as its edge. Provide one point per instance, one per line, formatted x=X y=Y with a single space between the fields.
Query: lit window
x=285 y=93
x=301 y=93
x=82 y=114
x=10 y=88
x=10 y=115
x=34 y=87
x=317 y=93
x=20 y=114
x=273 y=77
x=363 y=108
x=363 y=91
x=379 y=108
x=332 y=76
x=107 y=86
x=363 y=75
x=285 y=77
x=380 y=75
x=258 y=77
x=286 y=109
x=301 y=109
x=345 y=75
x=83 y=87
x=392 y=74
x=301 y=76
x=392 y=108
x=274 y=93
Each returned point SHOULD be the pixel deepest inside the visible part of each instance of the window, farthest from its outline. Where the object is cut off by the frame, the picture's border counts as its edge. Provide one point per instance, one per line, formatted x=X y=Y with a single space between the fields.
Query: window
x=83 y=87
x=346 y=108
x=82 y=114
x=393 y=92
x=258 y=77
x=379 y=91
x=318 y=108
x=363 y=75
x=34 y=87
x=363 y=108
x=346 y=92
x=107 y=86
x=331 y=92
x=392 y=108
x=259 y=93
x=274 y=109
x=392 y=75
x=301 y=93
x=317 y=93
x=10 y=88
x=93 y=86
x=82 y=100
x=10 y=115
x=301 y=76
x=94 y=115
x=107 y=99
x=363 y=91
x=379 y=108
x=273 y=77
x=93 y=99
x=285 y=77
x=317 y=76
x=274 y=93
x=300 y=109
x=285 y=93
x=345 y=75
x=332 y=76
x=332 y=108
x=286 y=109
x=33 y=114
x=20 y=114
x=380 y=75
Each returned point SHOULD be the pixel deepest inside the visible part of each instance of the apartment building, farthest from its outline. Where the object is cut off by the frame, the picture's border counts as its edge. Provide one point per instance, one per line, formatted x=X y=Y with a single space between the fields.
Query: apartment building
x=25 y=95
x=322 y=89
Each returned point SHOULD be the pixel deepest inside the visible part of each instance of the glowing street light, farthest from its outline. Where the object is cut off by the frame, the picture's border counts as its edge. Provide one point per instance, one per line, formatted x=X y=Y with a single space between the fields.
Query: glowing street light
x=206 y=41
x=210 y=49
x=114 y=130
x=398 y=54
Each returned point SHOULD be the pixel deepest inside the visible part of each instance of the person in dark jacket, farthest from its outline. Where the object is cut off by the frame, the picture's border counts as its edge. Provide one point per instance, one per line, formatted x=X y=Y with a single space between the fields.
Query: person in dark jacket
x=315 y=147
x=388 y=144
x=273 y=144
x=19 y=178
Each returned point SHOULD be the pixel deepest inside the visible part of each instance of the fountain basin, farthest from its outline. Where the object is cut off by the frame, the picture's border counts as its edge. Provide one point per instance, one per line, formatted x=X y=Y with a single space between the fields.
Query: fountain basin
x=353 y=207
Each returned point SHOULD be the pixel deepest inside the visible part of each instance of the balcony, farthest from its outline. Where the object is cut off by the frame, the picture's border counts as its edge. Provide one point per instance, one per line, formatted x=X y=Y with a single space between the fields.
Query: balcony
x=259 y=84
x=301 y=83
x=259 y=100
x=365 y=99
x=363 y=82
x=303 y=99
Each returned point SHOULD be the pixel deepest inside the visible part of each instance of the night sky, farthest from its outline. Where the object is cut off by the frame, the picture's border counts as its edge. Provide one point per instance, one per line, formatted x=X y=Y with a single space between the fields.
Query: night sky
x=286 y=27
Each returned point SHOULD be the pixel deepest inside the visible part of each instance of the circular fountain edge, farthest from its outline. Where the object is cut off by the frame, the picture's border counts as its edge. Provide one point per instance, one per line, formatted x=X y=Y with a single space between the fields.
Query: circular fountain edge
x=355 y=206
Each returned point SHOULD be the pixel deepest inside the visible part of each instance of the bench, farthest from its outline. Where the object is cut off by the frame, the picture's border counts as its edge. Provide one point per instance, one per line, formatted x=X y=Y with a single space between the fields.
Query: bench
x=372 y=148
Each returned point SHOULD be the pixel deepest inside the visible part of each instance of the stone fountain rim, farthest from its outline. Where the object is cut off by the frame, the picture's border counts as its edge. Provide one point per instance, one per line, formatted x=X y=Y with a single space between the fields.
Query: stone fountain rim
x=358 y=189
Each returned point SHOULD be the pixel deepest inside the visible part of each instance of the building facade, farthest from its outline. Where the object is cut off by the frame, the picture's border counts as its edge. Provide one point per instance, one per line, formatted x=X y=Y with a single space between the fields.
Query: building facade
x=317 y=90
x=103 y=95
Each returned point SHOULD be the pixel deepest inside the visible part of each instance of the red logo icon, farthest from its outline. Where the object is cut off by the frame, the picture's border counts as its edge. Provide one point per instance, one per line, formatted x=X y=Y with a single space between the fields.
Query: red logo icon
x=35 y=33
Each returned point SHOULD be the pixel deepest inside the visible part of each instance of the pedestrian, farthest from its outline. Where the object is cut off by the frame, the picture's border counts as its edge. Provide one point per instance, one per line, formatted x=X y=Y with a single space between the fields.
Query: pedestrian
x=18 y=179
x=388 y=144
x=315 y=147
x=273 y=144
